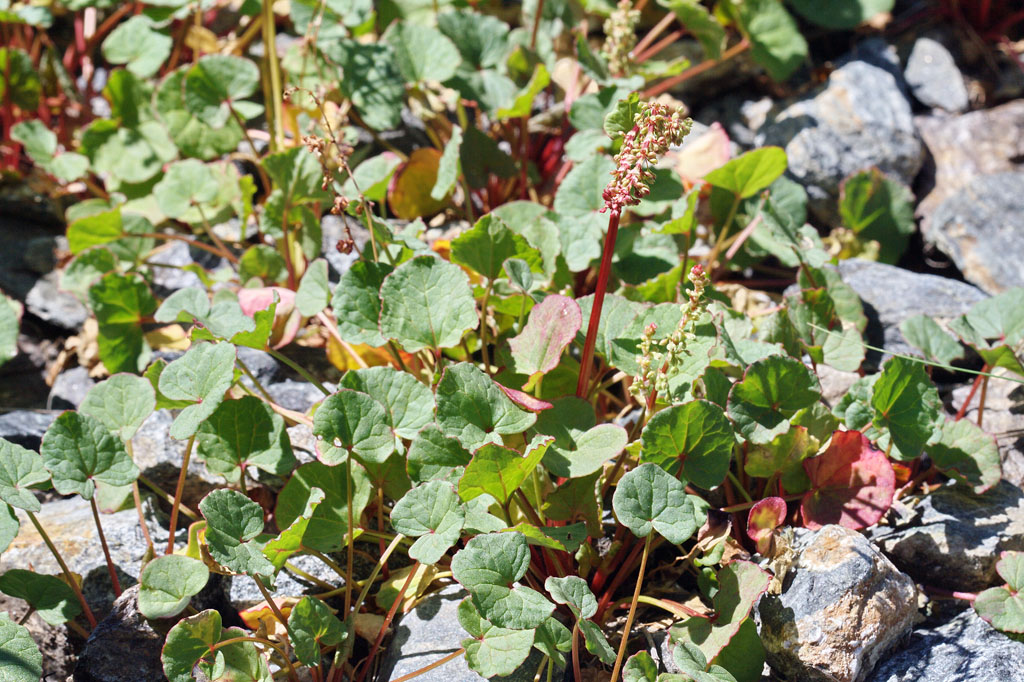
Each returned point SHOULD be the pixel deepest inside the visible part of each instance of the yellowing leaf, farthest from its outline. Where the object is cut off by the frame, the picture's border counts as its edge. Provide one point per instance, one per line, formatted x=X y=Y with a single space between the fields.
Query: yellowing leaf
x=409 y=194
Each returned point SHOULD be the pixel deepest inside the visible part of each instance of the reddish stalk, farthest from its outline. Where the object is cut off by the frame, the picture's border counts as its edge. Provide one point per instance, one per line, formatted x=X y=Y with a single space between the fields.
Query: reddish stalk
x=72 y=583
x=670 y=83
x=970 y=396
x=106 y=550
x=656 y=31
x=595 y=312
x=387 y=623
x=659 y=46
x=178 y=492
x=981 y=400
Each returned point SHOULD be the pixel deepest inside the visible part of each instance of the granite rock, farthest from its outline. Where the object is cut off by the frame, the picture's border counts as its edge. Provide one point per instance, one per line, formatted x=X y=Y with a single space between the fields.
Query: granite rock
x=843 y=607
x=240 y=591
x=966 y=649
x=159 y=457
x=69 y=389
x=124 y=646
x=956 y=539
x=934 y=78
x=860 y=118
x=938 y=297
x=295 y=395
x=26 y=427
x=58 y=308
x=981 y=228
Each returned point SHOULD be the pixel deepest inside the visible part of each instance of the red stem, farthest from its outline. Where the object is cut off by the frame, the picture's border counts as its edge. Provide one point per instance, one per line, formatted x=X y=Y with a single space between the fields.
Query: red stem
x=595 y=312
x=970 y=396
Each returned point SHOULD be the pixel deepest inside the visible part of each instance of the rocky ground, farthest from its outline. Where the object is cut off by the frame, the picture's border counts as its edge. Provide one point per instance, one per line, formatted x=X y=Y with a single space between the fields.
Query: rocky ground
x=853 y=606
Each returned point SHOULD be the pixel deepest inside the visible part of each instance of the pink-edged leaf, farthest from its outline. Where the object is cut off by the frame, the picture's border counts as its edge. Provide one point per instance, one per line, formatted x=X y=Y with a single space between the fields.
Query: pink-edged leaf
x=525 y=400
x=287 y=319
x=852 y=484
x=1003 y=606
x=765 y=516
x=552 y=326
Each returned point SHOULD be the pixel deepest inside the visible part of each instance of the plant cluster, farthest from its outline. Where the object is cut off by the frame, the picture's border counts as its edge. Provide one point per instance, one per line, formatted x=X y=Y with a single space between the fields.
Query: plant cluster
x=501 y=391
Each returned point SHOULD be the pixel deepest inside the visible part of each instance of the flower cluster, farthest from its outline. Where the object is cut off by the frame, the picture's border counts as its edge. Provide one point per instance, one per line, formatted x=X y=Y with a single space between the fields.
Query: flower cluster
x=656 y=128
x=656 y=363
x=620 y=37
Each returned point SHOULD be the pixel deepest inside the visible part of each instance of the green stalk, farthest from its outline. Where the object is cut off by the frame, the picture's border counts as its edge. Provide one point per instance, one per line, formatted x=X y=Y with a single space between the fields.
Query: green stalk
x=376 y=571
x=106 y=550
x=350 y=558
x=274 y=94
x=632 y=609
x=277 y=355
x=178 y=493
x=64 y=568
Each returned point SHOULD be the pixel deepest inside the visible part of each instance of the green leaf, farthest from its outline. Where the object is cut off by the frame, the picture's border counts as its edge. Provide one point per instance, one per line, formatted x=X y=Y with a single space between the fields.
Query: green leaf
x=588 y=111
x=783 y=456
x=648 y=498
x=487 y=246
x=427 y=303
x=186 y=184
x=408 y=403
x=580 y=447
x=492 y=651
x=575 y=593
x=200 y=376
x=777 y=43
x=740 y=585
x=994 y=327
x=215 y=85
x=243 y=433
x=841 y=14
x=224 y=318
x=482 y=40
x=232 y=523
x=352 y=422
x=10 y=525
x=312 y=624
x=135 y=44
x=471 y=408
x=695 y=439
x=422 y=53
x=120 y=304
x=907 y=405
x=19 y=470
x=596 y=642
x=122 y=402
x=41 y=145
x=193 y=136
x=79 y=451
x=433 y=455
x=449 y=167
x=640 y=667
x=281 y=548
x=965 y=451
x=878 y=208
x=356 y=303
x=20 y=660
x=750 y=173
x=297 y=173
x=371 y=80
x=580 y=191
x=1003 y=606
x=699 y=21
x=924 y=333
x=10 y=312
x=771 y=392
x=52 y=598
x=189 y=641
x=622 y=117
x=314 y=291
x=328 y=526
x=551 y=639
x=19 y=82
x=433 y=513
x=522 y=106
x=551 y=327
x=371 y=177
x=499 y=471
x=167 y=583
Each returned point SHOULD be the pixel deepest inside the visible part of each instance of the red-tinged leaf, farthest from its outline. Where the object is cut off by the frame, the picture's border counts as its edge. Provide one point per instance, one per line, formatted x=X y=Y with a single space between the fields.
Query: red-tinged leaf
x=552 y=326
x=765 y=516
x=852 y=484
x=287 y=319
x=525 y=400
x=409 y=192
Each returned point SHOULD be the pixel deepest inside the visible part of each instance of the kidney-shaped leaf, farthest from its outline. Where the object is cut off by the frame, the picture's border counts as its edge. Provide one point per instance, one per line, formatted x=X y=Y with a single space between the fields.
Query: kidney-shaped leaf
x=852 y=484
x=748 y=174
x=79 y=451
x=352 y=422
x=575 y=593
x=433 y=513
x=356 y=303
x=1003 y=606
x=551 y=327
x=52 y=598
x=964 y=450
x=492 y=651
x=694 y=438
x=242 y=433
x=426 y=303
x=201 y=376
x=487 y=246
x=168 y=582
x=232 y=523
x=122 y=403
x=433 y=455
x=907 y=405
x=312 y=624
x=764 y=517
x=328 y=525
x=20 y=469
x=409 y=404
x=649 y=498
x=499 y=471
x=281 y=548
x=772 y=391
x=472 y=409
x=188 y=642
x=20 y=660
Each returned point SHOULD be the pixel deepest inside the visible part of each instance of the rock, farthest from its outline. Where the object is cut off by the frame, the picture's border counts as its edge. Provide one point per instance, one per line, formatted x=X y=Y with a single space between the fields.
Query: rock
x=934 y=78
x=964 y=147
x=59 y=308
x=1004 y=419
x=124 y=646
x=178 y=254
x=295 y=395
x=430 y=632
x=70 y=525
x=982 y=229
x=834 y=383
x=263 y=366
x=26 y=427
x=875 y=283
x=957 y=540
x=53 y=641
x=844 y=606
x=333 y=230
x=860 y=118
x=159 y=457
x=966 y=649
x=69 y=389
x=739 y=115
x=241 y=592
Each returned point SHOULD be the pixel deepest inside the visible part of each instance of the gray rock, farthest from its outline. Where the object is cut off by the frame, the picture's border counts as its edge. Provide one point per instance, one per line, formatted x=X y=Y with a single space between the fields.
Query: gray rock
x=176 y=255
x=859 y=119
x=124 y=646
x=740 y=116
x=844 y=606
x=59 y=308
x=934 y=78
x=1004 y=419
x=53 y=641
x=966 y=649
x=834 y=383
x=241 y=591
x=69 y=389
x=964 y=147
x=333 y=229
x=432 y=631
x=160 y=457
x=957 y=540
x=295 y=395
x=876 y=284
x=263 y=366
x=26 y=427
x=982 y=229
